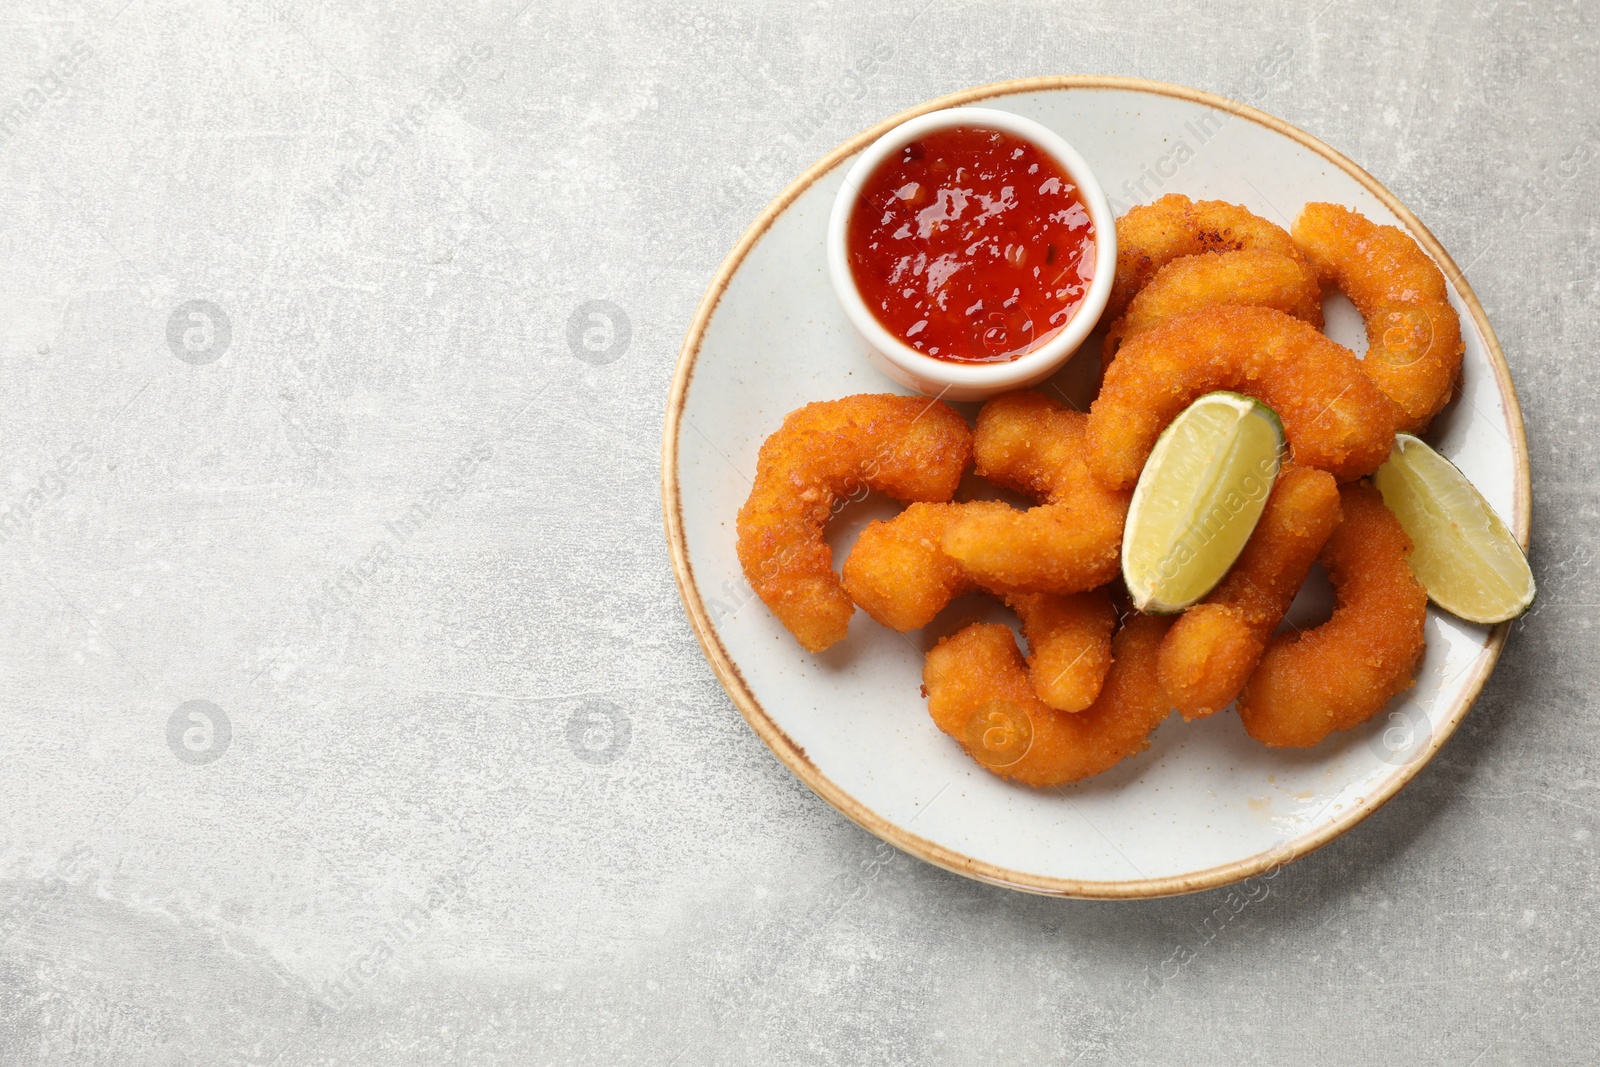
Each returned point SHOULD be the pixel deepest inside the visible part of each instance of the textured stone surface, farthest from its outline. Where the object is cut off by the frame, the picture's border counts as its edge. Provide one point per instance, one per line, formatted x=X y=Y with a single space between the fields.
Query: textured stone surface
x=484 y=801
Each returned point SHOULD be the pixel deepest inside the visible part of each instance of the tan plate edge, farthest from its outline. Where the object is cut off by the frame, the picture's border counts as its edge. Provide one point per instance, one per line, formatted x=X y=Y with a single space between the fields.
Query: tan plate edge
x=794 y=757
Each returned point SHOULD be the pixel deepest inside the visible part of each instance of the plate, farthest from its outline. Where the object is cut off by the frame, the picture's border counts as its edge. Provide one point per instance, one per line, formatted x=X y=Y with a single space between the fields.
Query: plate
x=1205 y=805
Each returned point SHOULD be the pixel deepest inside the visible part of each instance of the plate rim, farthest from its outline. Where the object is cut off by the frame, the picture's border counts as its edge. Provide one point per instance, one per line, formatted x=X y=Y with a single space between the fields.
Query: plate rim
x=795 y=758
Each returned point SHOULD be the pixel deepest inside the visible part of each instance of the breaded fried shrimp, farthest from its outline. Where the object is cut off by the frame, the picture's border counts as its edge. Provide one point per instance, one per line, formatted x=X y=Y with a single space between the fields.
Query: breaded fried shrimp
x=1414 y=344
x=1152 y=235
x=911 y=448
x=898 y=571
x=1215 y=645
x=1345 y=671
x=900 y=575
x=1254 y=277
x=1334 y=417
x=1071 y=542
x=1069 y=644
x=979 y=694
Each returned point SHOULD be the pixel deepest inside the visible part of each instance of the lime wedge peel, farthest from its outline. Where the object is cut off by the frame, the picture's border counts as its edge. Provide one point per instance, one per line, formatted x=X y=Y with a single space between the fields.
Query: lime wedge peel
x=1465 y=557
x=1199 y=497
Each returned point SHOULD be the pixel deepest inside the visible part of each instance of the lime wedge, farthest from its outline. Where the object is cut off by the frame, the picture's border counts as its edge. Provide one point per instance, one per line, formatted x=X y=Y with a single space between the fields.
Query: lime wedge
x=1465 y=557
x=1198 y=498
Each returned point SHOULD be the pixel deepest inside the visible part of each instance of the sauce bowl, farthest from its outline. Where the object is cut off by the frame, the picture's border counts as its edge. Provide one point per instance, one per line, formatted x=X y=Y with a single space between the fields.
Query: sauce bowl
x=950 y=379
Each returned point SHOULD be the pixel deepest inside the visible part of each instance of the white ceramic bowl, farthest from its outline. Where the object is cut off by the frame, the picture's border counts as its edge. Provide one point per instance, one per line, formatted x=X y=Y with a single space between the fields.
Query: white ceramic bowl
x=971 y=381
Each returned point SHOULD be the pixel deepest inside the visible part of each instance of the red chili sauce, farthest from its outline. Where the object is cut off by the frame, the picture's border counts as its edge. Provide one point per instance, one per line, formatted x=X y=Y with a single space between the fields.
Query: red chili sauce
x=971 y=245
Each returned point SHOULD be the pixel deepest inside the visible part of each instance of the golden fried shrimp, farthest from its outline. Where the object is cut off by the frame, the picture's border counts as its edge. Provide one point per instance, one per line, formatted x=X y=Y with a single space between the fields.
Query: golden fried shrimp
x=898 y=571
x=1072 y=541
x=909 y=447
x=1342 y=673
x=1152 y=235
x=1255 y=277
x=979 y=694
x=1335 y=418
x=1069 y=645
x=1215 y=645
x=900 y=575
x=1414 y=345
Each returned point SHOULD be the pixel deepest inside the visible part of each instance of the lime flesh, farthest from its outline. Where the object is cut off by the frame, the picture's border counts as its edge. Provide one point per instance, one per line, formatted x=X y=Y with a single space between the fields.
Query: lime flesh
x=1199 y=497
x=1465 y=557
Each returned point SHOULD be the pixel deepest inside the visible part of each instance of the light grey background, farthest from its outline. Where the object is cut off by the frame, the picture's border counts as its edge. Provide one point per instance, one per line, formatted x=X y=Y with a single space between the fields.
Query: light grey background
x=488 y=803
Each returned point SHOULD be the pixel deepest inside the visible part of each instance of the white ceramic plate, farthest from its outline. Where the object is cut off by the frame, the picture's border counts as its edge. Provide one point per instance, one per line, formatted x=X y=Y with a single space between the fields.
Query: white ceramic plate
x=1206 y=805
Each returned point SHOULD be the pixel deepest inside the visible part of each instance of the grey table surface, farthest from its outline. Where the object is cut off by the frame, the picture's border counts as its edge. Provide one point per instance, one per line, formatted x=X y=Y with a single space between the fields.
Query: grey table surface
x=295 y=427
